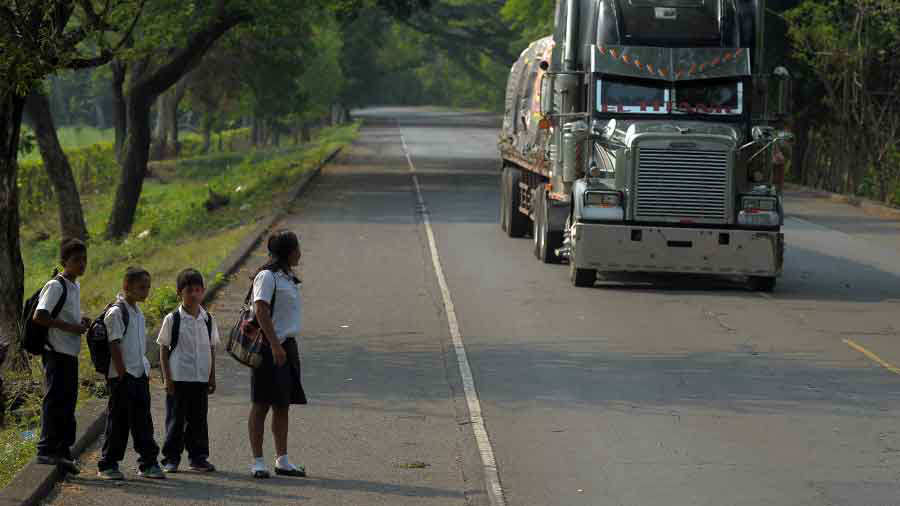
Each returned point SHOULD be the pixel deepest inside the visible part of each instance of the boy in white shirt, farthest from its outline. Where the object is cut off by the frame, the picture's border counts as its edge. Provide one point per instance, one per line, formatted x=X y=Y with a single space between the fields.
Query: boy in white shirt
x=189 y=370
x=129 y=383
x=60 y=359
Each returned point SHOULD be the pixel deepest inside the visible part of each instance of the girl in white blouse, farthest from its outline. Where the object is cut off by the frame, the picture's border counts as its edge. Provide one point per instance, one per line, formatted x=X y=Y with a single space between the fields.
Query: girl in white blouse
x=276 y=384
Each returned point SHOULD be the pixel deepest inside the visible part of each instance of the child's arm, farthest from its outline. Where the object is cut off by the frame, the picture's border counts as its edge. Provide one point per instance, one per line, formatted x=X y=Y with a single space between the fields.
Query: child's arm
x=115 y=351
x=264 y=317
x=42 y=318
x=164 y=353
x=212 y=371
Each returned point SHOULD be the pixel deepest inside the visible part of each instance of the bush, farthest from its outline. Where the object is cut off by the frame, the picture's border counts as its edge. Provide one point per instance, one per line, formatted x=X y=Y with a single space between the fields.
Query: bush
x=95 y=170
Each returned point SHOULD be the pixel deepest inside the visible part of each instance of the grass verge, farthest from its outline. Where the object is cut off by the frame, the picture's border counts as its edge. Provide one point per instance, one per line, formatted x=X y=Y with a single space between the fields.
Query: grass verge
x=173 y=230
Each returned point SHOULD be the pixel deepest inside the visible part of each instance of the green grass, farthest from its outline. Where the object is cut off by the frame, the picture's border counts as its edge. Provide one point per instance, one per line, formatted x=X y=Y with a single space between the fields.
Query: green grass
x=179 y=233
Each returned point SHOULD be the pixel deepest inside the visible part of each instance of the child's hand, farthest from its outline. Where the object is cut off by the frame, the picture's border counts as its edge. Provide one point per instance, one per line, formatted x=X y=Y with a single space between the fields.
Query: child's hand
x=170 y=387
x=279 y=355
x=211 y=389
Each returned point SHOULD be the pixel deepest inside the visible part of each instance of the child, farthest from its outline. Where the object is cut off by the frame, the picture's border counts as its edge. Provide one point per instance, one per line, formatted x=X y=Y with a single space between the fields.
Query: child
x=60 y=360
x=189 y=370
x=129 y=384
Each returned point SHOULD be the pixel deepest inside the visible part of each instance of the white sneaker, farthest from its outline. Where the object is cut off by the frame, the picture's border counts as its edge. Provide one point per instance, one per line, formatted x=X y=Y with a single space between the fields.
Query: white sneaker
x=259 y=471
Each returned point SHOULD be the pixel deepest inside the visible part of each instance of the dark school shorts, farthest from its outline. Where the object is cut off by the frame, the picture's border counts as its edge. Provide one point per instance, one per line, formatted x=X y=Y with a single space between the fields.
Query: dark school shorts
x=278 y=386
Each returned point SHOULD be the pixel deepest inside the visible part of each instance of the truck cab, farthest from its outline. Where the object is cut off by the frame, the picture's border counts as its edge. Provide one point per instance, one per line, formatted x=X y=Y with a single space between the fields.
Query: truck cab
x=659 y=123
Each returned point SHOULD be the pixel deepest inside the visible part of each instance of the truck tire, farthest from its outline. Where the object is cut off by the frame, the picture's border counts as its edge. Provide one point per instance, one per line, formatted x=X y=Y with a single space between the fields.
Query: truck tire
x=536 y=224
x=763 y=283
x=546 y=241
x=504 y=207
x=517 y=223
x=582 y=278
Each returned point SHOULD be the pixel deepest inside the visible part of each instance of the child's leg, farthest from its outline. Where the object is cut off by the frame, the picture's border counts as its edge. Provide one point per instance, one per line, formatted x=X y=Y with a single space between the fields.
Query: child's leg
x=176 y=405
x=256 y=426
x=142 y=424
x=117 y=424
x=197 y=428
x=58 y=406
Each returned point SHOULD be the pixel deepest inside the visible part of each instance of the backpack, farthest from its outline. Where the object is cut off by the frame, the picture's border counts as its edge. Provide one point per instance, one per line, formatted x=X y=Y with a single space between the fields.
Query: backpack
x=98 y=338
x=35 y=335
x=176 y=328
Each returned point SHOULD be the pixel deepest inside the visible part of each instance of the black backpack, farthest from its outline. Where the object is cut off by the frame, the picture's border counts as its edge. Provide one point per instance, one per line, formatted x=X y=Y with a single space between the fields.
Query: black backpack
x=176 y=328
x=98 y=338
x=35 y=336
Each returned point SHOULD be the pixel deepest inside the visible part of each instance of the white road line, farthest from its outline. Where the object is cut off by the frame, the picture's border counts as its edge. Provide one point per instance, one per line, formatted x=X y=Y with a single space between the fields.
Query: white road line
x=491 y=475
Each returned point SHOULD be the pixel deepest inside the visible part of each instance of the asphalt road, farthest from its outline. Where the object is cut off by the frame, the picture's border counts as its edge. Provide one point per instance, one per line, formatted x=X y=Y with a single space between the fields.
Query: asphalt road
x=636 y=392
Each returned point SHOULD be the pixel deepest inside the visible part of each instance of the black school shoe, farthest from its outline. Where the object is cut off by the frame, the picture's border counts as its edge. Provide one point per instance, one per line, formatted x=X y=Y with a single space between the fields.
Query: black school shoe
x=202 y=466
x=68 y=465
x=296 y=472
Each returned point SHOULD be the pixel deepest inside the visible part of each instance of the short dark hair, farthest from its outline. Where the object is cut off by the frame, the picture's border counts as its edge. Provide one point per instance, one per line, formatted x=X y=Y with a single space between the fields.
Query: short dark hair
x=133 y=274
x=189 y=277
x=70 y=247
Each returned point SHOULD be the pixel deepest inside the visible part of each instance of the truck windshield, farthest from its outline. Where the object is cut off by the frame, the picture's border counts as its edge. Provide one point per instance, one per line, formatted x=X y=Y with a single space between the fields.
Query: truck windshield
x=616 y=96
x=704 y=98
x=694 y=97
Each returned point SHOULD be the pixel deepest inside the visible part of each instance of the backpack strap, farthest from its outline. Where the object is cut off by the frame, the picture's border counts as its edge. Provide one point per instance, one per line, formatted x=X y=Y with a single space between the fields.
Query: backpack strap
x=176 y=329
x=250 y=293
x=62 y=298
x=209 y=325
x=123 y=308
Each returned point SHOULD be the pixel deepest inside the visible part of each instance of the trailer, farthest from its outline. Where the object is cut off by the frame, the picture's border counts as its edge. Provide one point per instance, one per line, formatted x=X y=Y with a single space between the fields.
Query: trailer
x=638 y=137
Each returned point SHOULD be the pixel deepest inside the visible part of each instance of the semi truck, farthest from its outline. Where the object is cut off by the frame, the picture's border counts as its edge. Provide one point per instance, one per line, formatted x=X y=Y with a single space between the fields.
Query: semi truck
x=640 y=136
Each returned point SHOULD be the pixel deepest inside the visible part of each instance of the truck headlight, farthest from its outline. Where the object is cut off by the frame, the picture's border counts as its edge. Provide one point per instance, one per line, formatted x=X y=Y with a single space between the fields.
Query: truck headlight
x=759 y=211
x=602 y=199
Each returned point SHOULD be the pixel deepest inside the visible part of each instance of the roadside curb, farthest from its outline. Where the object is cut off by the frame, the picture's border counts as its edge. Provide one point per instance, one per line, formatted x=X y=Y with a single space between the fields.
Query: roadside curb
x=34 y=482
x=870 y=207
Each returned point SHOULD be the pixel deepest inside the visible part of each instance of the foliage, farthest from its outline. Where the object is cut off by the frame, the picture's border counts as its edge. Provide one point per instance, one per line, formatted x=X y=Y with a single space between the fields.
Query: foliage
x=852 y=49
x=94 y=167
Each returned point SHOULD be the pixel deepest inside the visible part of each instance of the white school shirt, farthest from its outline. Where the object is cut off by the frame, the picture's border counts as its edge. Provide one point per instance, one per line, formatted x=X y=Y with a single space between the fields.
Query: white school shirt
x=192 y=358
x=133 y=342
x=61 y=341
x=288 y=310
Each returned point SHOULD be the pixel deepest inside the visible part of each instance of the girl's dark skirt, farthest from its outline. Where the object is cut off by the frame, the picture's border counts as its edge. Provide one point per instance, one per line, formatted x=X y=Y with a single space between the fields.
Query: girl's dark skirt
x=278 y=386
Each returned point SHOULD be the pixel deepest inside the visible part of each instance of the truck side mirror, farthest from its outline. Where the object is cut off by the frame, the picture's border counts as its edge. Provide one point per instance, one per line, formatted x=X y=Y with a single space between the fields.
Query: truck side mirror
x=782 y=91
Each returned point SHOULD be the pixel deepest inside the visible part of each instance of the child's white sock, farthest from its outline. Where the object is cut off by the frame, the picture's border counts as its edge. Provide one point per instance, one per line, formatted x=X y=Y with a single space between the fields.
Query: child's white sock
x=283 y=462
x=259 y=464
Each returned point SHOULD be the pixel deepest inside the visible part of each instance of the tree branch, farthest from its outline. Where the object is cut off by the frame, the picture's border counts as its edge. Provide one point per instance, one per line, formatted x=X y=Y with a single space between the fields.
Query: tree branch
x=187 y=57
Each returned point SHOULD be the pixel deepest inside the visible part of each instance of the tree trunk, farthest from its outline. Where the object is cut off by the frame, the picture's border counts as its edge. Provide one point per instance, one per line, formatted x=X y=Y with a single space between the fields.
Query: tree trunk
x=255 y=132
x=134 y=165
x=798 y=155
x=12 y=272
x=305 y=133
x=142 y=92
x=71 y=218
x=118 y=100
x=207 y=136
x=165 y=137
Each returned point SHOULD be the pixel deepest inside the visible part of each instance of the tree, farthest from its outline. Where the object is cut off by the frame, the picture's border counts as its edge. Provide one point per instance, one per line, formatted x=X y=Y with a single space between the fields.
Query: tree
x=38 y=38
x=71 y=217
x=151 y=74
x=852 y=49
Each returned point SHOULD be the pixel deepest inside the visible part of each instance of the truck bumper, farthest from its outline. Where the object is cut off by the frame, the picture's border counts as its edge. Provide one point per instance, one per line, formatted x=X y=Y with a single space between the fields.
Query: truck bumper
x=633 y=248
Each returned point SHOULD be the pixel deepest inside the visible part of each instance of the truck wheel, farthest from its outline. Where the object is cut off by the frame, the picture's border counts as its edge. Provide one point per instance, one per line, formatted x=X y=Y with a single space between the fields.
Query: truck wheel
x=582 y=278
x=504 y=207
x=517 y=224
x=536 y=224
x=548 y=241
x=762 y=283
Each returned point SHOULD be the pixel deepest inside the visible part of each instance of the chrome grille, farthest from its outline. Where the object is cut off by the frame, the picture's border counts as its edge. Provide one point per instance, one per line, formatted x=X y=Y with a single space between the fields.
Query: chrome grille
x=681 y=185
